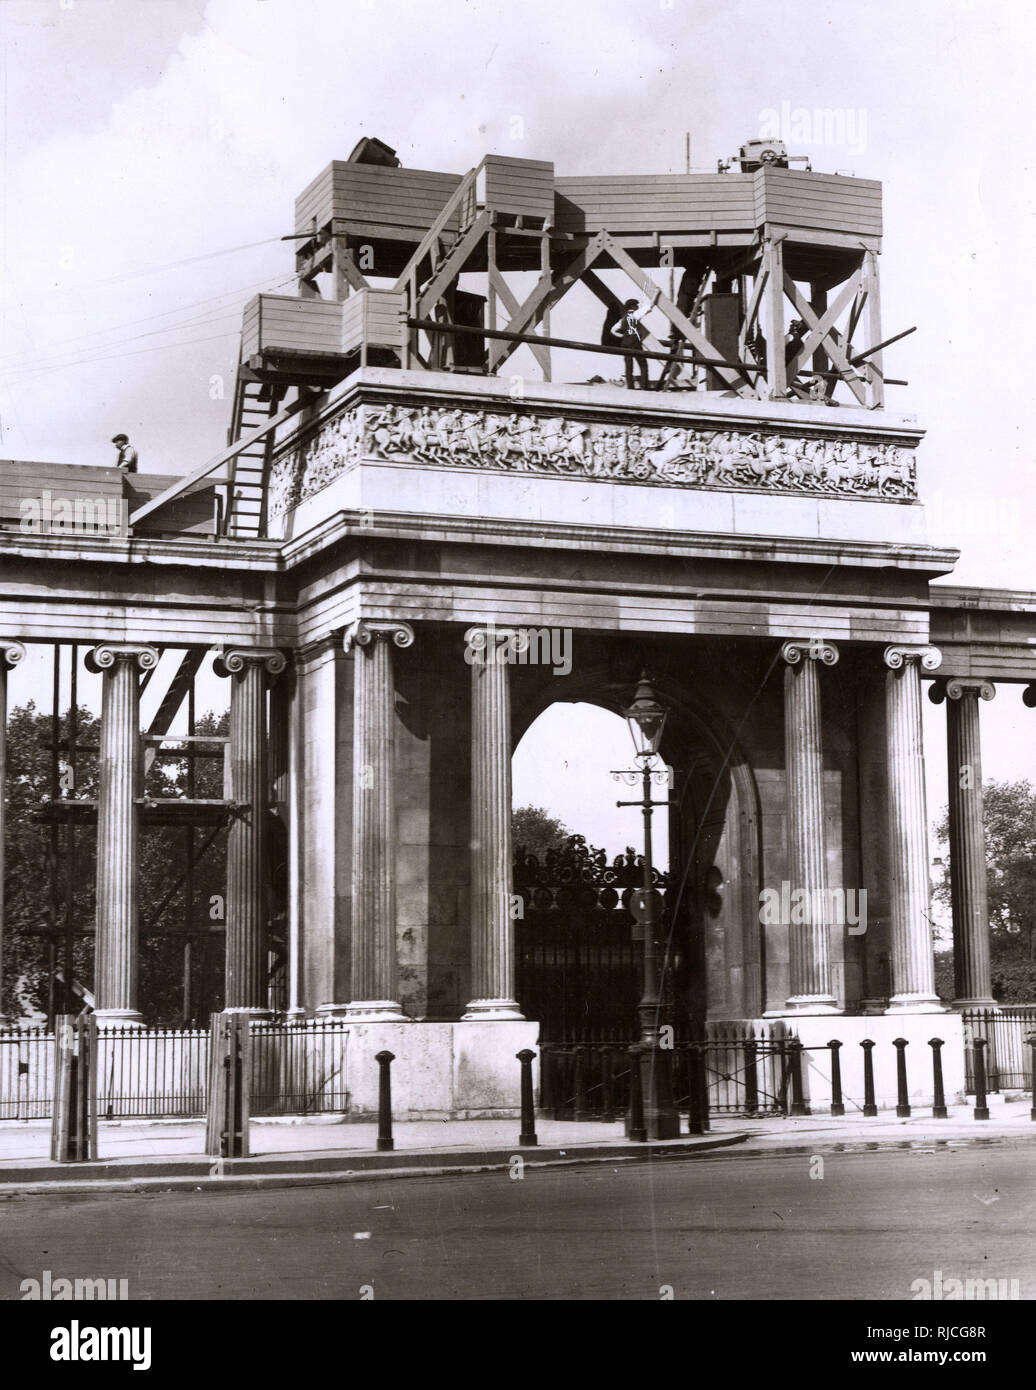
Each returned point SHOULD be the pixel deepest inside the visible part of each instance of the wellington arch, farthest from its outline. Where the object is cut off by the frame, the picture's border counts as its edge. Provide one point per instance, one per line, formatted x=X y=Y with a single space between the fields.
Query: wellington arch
x=397 y=507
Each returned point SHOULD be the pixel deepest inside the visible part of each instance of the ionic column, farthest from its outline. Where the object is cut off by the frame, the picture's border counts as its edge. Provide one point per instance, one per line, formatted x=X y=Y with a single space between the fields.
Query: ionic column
x=374 y=988
x=492 y=929
x=117 y=946
x=10 y=654
x=913 y=966
x=810 y=947
x=972 y=984
x=247 y=856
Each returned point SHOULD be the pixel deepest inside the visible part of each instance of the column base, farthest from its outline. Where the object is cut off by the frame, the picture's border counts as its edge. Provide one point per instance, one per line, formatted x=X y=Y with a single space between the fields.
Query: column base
x=959 y=1004
x=374 y=1011
x=489 y=1010
x=256 y=1011
x=872 y=1007
x=807 y=1004
x=119 y=1018
x=915 y=1004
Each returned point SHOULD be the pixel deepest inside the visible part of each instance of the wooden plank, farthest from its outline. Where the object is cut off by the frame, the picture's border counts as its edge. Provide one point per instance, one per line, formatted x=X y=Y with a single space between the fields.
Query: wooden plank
x=182 y=485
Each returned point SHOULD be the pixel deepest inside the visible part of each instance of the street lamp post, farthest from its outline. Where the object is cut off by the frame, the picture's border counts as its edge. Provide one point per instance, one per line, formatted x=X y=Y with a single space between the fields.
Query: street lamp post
x=646 y=718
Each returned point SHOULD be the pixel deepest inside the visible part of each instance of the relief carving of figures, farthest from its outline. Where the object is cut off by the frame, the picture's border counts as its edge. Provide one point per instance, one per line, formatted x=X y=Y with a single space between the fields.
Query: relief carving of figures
x=672 y=454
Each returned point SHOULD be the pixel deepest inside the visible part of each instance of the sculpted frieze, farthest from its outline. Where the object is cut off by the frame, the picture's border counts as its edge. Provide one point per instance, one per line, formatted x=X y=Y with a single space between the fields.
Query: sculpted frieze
x=669 y=454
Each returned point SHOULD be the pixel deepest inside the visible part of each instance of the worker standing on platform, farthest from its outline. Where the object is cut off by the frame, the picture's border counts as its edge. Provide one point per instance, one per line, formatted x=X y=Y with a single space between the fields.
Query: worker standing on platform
x=631 y=334
x=127 y=454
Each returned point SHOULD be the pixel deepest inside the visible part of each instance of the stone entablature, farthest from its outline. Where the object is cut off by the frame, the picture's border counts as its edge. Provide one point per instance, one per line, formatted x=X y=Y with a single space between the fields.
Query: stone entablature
x=660 y=444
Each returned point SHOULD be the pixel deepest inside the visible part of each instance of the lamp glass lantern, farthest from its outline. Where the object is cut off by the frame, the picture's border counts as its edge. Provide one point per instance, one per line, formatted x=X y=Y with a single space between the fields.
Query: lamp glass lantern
x=646 y=718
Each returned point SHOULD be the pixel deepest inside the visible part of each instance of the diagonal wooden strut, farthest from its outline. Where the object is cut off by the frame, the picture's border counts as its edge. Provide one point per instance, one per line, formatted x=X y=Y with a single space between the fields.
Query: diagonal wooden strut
x=182 y=485
x=734 y=377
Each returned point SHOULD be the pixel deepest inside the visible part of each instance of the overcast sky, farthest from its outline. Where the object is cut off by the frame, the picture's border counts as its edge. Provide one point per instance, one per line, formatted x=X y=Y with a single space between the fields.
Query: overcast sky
x=152 y=151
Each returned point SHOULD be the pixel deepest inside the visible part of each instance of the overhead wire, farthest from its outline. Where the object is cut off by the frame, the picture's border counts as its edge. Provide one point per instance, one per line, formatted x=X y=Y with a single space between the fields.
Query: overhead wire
x=78 y=357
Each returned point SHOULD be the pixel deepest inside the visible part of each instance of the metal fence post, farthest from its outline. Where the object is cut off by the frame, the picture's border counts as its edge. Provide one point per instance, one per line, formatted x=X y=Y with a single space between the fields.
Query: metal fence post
x=698 y=1088
x=1031 y=1040
x=837 y=1104
x=384 y=1061
x=981 y=1108
x=527 y=1134
x=798 y=1104
x=869 y=1108
x=635 y=1127
x=939 y=1100
x=579 y=1104
x=751 y=1078
x=902 y=1099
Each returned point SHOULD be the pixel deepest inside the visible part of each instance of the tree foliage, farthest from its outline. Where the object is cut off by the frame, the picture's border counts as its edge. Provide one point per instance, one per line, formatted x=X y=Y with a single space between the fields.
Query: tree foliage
x=50 y=871
x=1010 y=824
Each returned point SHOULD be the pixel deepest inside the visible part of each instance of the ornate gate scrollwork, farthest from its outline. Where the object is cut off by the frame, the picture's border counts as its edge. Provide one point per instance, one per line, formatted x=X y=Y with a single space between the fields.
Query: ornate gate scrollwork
x=578 y=964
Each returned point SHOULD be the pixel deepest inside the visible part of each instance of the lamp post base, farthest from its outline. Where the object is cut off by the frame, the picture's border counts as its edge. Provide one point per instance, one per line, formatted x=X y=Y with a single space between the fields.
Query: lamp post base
x=661 y=1117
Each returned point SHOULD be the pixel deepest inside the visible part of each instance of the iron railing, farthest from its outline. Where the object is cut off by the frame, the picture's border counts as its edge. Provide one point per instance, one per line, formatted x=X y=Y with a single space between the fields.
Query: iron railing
x=1008 y=1055
x=741 y=1070
x=298 y=1068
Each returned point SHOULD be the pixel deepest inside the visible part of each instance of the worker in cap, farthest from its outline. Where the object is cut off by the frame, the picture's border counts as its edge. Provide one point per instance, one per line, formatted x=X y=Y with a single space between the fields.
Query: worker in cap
x=127 y=453
x=631 y=334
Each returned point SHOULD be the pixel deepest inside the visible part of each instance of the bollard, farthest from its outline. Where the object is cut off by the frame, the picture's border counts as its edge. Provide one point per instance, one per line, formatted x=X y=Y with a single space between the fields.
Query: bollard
x=73 y=1136
x=226 y=1125
x=635 y=1127
x=902 y=1099
x=1031 y=1040
x=939 y=1101
x=981 y=1108
x=384 y=1061
x=837 y=1105
x=869 y=1108
x=798 y=1105
x=527 y=1135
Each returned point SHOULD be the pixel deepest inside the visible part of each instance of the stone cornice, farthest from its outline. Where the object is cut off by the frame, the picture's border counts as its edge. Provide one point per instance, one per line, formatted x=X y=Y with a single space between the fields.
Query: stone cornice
x=459 y=530
x=420 y=387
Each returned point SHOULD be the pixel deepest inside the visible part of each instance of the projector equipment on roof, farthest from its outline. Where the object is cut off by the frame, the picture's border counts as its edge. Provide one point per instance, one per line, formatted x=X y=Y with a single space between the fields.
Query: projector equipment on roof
x=370 y=150
x=760 y=154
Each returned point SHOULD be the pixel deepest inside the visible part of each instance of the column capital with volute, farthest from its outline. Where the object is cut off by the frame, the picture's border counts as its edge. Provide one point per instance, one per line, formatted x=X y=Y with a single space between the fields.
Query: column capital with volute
x=897 y=655
x=364 y=631
x=814 y=648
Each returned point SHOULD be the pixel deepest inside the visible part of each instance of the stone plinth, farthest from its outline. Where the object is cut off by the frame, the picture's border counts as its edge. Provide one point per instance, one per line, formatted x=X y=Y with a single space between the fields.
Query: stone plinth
x=463 y=1071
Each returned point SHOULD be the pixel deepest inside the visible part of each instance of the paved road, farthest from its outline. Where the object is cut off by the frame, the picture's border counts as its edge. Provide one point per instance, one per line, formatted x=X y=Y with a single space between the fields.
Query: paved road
x=726 y=1227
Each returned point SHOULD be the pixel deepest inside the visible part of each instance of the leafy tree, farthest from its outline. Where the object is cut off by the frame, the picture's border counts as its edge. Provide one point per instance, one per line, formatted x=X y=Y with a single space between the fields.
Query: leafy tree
x=1010 y=824
x=50 y=870
x=535 y=831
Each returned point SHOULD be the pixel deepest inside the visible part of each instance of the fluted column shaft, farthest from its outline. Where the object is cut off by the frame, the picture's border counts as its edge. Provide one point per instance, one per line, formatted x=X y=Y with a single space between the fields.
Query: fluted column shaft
x=809 y=943
x=913 y=965
x=247 y=839
x=10 y=654
x=373 y=962
x=492 y=927
x=969 y=895
x=117 y=944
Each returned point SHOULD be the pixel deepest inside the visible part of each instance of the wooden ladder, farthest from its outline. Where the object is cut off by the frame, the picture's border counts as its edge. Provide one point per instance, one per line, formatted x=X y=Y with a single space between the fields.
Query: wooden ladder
x=248 y=472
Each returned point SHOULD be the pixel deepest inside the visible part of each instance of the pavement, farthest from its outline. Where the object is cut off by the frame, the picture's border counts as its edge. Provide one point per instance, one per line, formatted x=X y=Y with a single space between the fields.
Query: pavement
x=140 y=1155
